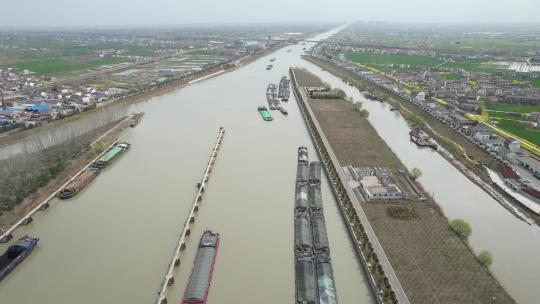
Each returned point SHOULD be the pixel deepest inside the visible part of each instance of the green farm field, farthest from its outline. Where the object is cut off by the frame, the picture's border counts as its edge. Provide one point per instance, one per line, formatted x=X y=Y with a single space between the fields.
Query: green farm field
x=58 y=66
x=520 y=129
x=370 y=58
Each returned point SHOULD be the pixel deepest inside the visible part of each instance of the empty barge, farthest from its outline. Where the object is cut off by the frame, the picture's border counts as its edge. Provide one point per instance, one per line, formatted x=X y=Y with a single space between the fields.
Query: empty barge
x=203 y=267
x=77 y=184
x=15 y=254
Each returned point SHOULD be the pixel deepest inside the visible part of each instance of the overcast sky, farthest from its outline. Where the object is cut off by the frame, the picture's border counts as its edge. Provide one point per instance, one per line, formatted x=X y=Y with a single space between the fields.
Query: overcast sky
x=31 y=13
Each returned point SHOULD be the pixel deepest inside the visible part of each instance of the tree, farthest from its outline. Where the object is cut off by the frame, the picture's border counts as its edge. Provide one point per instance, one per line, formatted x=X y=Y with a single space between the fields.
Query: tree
x=415 y=173
x=462 y=228
x=358 y=106
x=485 y=258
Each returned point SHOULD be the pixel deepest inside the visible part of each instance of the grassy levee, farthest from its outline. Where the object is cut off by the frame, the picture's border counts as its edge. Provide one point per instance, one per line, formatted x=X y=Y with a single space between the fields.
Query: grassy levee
x=433 y=264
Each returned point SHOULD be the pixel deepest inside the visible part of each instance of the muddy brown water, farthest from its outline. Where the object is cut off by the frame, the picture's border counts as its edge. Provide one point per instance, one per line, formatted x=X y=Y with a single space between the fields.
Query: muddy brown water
x=112 y=243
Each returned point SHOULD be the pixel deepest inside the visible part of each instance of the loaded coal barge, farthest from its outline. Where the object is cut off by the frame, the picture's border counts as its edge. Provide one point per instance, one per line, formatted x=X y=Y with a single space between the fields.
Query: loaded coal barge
x=15 y=254
x=76 y=185
x=203 y=267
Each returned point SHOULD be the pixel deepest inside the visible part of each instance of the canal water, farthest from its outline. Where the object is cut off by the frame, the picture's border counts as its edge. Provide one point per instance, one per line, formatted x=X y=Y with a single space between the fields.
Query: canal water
x=514 y=244
x=112 y=243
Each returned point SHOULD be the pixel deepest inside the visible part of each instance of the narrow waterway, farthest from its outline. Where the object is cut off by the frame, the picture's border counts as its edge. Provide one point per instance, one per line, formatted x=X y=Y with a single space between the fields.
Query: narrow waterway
x=112 y=242
x=514 y=244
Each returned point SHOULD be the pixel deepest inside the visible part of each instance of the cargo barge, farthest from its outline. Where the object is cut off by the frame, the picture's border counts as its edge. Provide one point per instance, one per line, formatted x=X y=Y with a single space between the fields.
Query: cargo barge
x=306 y=291
x=265 y=114
x=110 y=155
x=314 y=278
x=422 y=139
x=15 y=254
x=326 y=287
x=77 y=184
x=203 y=267
x=271 y=96
x=284 y=89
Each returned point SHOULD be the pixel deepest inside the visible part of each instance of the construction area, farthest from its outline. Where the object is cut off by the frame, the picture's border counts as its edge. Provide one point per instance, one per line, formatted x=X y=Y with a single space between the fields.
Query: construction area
x=433 y=264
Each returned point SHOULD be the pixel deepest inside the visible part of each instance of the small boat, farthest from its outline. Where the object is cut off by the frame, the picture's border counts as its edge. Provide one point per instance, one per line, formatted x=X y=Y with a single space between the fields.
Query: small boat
x=15 y=254
x=289 y=50
x=265 y=114
x=273 y=59
x=283 y=111
x=203 y=267
x=369 y=96
x=269 y=67
x=393 y=109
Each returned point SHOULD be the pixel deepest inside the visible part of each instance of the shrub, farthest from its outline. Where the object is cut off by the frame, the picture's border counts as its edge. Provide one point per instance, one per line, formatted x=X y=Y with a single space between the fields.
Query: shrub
x=462 y=228
x=485 y=258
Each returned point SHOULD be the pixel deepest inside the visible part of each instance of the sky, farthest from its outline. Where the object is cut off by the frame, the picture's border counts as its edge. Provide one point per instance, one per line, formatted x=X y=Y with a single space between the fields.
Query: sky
x=90 y=13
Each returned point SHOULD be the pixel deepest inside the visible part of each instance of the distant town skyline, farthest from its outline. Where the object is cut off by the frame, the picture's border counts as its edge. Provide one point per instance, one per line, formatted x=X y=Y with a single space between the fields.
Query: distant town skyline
x=67 y=13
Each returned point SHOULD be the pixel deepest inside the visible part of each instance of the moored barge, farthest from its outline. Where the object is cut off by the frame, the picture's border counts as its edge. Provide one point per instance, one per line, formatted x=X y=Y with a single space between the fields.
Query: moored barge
x=422 y=139
x=77 y=184
x=15 y=254
x=271 y=96
x=203 y=267
x=284 y=89
x=110 y=155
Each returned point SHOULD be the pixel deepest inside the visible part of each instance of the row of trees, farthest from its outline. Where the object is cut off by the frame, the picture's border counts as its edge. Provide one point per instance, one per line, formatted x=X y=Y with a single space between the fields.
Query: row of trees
x=44 y=157
x=63 y=133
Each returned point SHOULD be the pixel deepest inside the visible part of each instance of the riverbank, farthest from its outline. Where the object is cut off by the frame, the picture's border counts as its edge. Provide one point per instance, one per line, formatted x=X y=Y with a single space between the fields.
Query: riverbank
x=463 y=151
x=432 y=263
x=139 y=97
x=102 y=137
